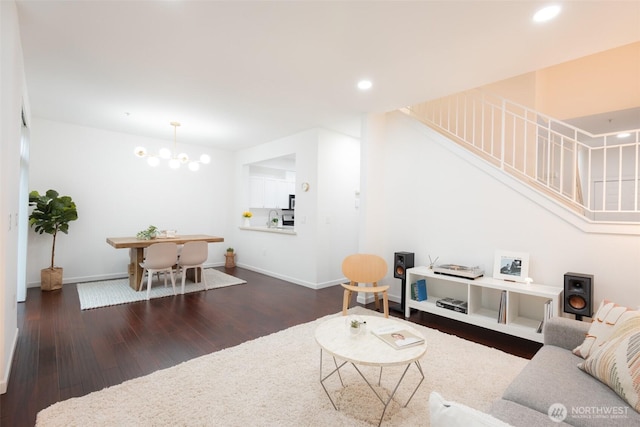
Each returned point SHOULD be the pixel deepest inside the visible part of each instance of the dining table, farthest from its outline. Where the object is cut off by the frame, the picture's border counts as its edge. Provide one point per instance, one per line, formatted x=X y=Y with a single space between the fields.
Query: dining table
x=136 y=250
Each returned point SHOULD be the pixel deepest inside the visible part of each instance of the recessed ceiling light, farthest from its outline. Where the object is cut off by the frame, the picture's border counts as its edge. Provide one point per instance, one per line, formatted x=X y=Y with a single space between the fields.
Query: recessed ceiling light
x=364 y=84
x=546 y=13
x=624 y=135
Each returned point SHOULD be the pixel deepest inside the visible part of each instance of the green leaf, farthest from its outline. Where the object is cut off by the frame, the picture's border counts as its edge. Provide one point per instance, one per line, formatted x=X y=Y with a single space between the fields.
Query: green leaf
x=51 y=214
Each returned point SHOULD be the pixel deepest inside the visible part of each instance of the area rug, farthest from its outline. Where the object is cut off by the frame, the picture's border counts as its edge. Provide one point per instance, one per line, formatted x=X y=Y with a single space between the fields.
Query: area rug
x=275 y=381
x=118 y=291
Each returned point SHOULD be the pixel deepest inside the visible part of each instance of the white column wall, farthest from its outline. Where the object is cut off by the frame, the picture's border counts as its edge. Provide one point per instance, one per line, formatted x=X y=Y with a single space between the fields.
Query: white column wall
x=12 y=90
x=337 y=214
x=375 y=167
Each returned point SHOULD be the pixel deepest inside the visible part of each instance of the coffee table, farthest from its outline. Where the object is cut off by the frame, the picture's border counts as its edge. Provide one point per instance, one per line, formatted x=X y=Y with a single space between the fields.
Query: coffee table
x=366 y=349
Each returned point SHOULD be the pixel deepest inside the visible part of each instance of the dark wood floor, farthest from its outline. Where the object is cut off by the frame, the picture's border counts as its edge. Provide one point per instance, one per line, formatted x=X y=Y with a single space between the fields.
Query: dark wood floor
x=63 y=352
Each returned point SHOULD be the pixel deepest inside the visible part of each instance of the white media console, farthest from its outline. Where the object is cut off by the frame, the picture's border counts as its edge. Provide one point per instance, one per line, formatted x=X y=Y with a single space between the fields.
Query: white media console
x=525 y=303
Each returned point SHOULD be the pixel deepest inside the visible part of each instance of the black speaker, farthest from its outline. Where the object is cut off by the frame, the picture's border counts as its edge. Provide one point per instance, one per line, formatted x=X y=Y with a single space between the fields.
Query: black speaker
x=578 y=294
x=402 y=261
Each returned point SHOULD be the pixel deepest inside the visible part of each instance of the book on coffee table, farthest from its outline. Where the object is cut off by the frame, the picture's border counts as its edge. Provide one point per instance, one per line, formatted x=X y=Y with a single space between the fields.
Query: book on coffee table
x=398 y=337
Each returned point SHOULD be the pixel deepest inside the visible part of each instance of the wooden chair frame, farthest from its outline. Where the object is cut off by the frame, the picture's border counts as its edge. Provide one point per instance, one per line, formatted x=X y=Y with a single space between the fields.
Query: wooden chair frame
x=364 y=269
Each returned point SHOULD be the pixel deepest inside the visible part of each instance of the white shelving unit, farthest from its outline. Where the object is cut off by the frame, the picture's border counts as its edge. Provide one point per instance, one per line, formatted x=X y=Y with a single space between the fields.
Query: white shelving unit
x=524 y=302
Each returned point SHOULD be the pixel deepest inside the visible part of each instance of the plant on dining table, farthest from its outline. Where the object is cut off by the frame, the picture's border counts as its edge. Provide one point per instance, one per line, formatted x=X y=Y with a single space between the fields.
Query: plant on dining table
x=150 y=233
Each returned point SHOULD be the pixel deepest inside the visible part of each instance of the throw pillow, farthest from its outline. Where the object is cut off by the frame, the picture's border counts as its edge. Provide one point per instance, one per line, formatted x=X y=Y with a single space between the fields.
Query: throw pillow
x=603 y=325
x=452 y=414
x=617 y=362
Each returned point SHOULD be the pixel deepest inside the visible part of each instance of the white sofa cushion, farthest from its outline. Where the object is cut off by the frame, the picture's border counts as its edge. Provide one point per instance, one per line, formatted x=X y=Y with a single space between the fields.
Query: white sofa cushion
x=604 y=322
x=452 y=414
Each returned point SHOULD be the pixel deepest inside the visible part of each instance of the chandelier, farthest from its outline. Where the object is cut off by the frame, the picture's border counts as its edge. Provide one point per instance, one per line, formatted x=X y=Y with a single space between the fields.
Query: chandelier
x=175 y=159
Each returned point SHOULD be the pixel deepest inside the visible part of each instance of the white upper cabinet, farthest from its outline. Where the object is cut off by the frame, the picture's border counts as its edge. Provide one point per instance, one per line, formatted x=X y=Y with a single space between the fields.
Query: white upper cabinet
x=270 y=186
x=270 y=193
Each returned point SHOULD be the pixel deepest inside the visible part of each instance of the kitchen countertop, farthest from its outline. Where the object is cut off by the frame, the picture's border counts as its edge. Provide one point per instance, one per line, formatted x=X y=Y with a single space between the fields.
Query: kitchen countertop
x=287 y=229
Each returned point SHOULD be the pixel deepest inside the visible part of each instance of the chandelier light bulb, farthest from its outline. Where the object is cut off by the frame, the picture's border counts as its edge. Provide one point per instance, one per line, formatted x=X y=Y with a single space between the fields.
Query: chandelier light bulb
x=174 y=160
x=140 y=151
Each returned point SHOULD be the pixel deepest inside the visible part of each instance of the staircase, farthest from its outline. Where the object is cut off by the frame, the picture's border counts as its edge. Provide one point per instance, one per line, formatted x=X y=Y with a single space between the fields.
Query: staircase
x=595 y=176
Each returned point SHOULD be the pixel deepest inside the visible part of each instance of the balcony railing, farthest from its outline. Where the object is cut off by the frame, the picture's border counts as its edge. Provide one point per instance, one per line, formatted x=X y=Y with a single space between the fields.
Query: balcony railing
x=597 y=176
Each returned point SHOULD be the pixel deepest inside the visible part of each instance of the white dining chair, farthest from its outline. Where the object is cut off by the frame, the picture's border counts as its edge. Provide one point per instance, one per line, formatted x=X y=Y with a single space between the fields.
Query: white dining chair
x=193 y=255
x=161 y=257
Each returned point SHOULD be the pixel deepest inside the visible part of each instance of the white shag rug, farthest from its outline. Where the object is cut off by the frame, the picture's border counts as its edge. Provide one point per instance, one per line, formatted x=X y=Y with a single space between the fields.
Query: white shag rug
x=275 y=381
x=118 y=291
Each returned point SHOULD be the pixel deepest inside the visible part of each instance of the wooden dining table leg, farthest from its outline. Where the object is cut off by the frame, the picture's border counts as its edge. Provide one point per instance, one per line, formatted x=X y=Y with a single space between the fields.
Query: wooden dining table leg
x=135 y=271
x=194 y=274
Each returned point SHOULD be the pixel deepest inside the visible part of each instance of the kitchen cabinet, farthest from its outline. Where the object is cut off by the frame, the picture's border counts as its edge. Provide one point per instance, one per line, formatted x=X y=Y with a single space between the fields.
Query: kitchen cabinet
x=256 y=192
x=270 y=193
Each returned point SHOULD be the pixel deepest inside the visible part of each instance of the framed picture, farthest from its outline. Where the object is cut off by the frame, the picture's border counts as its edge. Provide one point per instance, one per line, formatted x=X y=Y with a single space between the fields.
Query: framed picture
x=512 y=266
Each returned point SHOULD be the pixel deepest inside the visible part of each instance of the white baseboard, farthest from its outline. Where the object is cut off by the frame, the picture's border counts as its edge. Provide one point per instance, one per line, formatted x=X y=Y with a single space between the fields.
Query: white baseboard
x=4 y=383
x=369 y=298
x=109 y=276
x=362 y=298
x=304 y=283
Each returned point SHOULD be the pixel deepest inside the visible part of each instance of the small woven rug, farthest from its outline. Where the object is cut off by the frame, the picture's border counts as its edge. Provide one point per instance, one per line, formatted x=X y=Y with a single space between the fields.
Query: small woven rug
x=118 y=291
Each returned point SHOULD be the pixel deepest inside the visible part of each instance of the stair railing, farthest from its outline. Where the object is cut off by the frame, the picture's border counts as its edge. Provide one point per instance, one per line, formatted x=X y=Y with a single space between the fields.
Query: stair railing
x=597 y=176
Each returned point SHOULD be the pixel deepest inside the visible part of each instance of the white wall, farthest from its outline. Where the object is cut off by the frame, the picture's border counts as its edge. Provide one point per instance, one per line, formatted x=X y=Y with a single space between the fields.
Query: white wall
x=12 y=88
x=326 y=219
x=118 y=194
x=270 y=253
x=337 y=214
x=441 y=205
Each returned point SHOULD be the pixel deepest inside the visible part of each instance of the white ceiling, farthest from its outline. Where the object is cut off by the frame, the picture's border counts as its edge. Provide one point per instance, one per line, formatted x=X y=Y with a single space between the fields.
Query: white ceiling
x=609 y=122
x=240 y=73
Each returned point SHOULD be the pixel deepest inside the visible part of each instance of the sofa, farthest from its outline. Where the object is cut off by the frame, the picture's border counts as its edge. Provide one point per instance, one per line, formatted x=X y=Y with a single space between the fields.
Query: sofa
x=552 y=382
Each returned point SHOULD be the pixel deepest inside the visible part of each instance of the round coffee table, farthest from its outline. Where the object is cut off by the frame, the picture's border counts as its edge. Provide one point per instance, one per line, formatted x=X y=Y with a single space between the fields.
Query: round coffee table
x=365 y=348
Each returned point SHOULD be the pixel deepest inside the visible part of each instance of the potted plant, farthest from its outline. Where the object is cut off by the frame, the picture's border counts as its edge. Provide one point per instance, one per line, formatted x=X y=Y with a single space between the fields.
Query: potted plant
x=230 y=261
x=52 y=213
x=355 y=327
x=274 y=222
x=150 y=233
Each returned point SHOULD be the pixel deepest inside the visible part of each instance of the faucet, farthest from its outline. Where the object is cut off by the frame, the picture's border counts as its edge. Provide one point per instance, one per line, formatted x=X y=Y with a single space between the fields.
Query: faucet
x=269 y=223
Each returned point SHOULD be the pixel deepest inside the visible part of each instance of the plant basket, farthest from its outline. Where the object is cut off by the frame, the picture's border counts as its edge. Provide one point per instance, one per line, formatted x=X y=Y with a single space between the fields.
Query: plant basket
x=230 y=261
x=51 y=279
